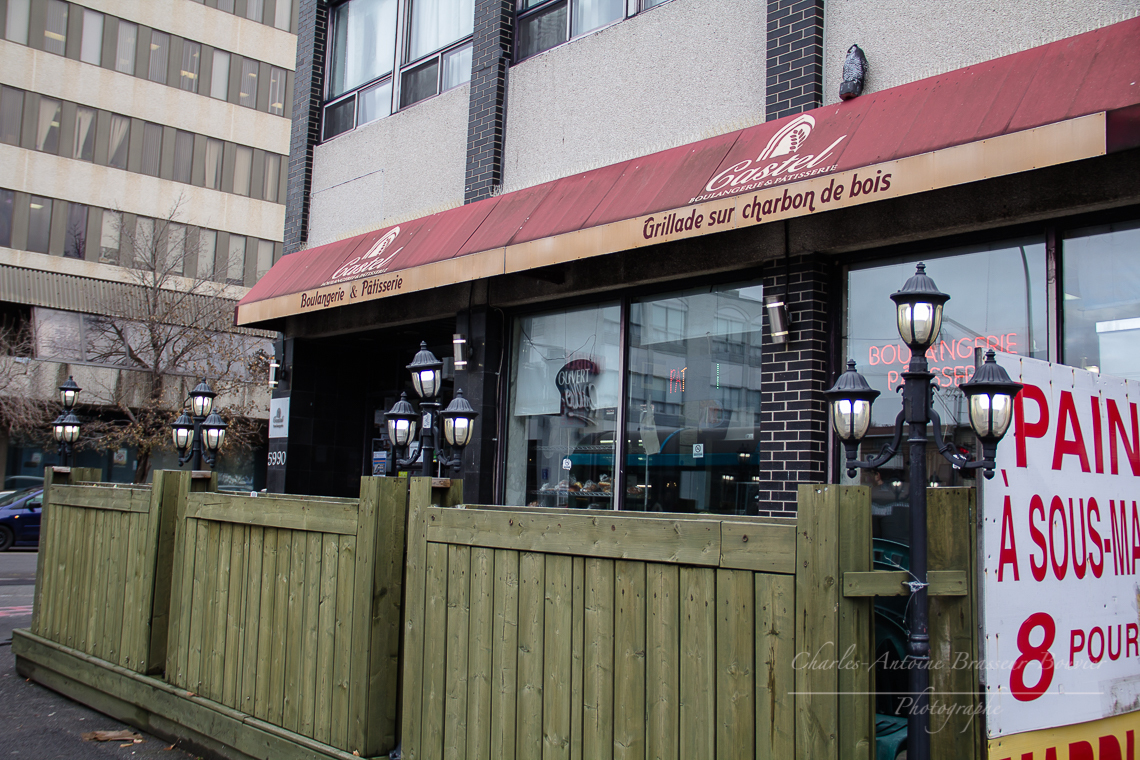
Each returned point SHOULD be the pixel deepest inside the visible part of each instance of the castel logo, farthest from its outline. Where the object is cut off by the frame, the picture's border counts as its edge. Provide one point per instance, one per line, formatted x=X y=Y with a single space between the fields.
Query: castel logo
x=752 y=174
x=372 y=262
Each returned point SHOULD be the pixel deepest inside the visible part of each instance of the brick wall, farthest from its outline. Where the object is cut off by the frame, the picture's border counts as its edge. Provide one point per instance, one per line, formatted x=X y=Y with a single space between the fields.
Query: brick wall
x=490 y=60
x=793 y=412
x=312 y=36
x=795 y=57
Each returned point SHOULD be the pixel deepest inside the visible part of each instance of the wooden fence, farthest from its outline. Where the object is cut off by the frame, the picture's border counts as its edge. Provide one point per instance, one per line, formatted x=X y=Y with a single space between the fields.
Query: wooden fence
x=517 y=632
x=96 y=588
x=536 y=633
x=288 y=609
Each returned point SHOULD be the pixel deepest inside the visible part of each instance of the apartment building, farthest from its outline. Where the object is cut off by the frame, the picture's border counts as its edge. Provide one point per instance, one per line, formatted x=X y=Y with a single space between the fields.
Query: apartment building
x=127 y=127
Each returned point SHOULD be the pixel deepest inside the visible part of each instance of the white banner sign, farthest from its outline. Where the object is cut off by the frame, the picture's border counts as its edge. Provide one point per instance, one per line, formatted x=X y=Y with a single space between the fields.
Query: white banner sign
x=1062 y=550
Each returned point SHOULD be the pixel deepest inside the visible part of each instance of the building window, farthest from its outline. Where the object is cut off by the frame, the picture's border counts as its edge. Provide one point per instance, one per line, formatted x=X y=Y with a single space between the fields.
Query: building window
x=159 y=56
x=11 y=114
x=435 y=57
x=254 y=9
x=545 y=24
x=91 y=49
x=142 y=246
x=175 y=249
x=151 y=149
x=564 y=399
x=207 y=245
x=282 y=14
x=191 y=59
x=220 y=76
x=119 y=141
x=277 y=91
x=75 y=239
x=235 y=263
x=226 y=5
x=125 y=47
x=109 y=239
x=39 y=224
x=247 y=95
x=272 y=177
x=214 y=150
x=55 y=27
x=7 y=204
x=693 y=411
x=999 y=301
x=16 y=26
x=84 y=148
x=243 y=164
x=264 y=257
x=47 y=130
x=1101 y=312
x=183 y=156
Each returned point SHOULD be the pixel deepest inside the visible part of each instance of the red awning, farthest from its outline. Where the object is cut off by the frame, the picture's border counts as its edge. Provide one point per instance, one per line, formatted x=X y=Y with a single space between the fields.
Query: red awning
x=1068 y=100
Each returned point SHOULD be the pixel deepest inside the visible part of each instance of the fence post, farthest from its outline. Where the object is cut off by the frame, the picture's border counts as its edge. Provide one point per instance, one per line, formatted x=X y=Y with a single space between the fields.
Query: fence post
x=168 y=490
x=952 y=545
x=176 y=489
x=834 y=706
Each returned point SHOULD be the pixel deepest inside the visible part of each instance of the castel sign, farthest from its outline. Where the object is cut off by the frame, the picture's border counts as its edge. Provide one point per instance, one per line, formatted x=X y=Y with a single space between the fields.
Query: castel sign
x=780 y=161
x=1062 y=553
x=372 y=262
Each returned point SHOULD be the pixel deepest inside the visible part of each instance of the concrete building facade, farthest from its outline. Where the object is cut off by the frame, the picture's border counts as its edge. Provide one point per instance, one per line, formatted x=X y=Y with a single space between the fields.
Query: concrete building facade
x=128 y=125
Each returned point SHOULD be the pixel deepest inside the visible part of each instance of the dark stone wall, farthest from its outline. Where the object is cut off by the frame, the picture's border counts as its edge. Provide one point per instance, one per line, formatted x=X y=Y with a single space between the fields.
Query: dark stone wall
x=308 y=88
x=795 y=57
x=492 y=42
x=793 y=412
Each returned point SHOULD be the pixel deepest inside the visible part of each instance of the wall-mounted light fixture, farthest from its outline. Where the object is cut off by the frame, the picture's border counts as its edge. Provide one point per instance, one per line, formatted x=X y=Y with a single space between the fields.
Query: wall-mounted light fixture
x=779 y=323
x=459 y=347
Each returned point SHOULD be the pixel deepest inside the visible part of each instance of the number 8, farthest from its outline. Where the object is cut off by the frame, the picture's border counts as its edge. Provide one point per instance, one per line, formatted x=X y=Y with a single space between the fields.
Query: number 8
x=1030 y=653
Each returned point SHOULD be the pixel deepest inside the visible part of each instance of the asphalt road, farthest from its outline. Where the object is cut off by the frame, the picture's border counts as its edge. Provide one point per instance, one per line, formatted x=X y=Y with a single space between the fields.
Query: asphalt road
x=39 y=724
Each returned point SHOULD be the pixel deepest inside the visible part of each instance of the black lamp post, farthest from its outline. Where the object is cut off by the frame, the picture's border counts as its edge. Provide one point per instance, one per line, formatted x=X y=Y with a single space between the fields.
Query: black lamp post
x=199 y=437
x=404 y=420
x=65 y=427
x=990 y=395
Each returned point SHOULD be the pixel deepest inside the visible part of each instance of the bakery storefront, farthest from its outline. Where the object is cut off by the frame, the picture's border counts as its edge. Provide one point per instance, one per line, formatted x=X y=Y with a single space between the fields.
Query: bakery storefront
x=656 y=334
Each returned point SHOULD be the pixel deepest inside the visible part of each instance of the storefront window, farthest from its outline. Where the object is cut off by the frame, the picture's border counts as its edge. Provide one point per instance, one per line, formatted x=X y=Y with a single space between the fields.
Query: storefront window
x=997 y=300
x=563 y=408
x=1101 y=309
x=692 y=424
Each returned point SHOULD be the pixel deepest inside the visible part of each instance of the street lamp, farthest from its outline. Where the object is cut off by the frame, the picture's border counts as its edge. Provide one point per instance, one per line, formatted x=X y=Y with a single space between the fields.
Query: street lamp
x=990 y=396
x=65 y=427
x=199 y=437
x=403 y=419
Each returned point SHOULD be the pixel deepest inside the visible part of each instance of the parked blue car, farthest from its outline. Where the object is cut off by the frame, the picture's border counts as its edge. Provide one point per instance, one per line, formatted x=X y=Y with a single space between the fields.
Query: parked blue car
x=20 y=518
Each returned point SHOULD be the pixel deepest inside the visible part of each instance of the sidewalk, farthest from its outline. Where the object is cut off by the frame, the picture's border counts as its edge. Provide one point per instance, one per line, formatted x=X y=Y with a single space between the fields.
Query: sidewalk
x=36 y=723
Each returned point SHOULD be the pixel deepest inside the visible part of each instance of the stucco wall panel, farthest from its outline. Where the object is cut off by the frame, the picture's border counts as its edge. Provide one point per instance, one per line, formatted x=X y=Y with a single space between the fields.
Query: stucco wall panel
x=905 y=41
x=673 y=74
x=407 y=165
x=59 y=77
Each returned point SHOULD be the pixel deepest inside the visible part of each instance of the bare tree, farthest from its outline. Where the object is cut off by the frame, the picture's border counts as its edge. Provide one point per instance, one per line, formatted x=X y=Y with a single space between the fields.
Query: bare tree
x=22 y=412
x=169 y=330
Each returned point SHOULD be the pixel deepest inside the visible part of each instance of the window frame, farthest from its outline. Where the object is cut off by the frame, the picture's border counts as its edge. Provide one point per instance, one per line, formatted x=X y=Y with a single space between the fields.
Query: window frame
x=630 y=8
x=402 y=65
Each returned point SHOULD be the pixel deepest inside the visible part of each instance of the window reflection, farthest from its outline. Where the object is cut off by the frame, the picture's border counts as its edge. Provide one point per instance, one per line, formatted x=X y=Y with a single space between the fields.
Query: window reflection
x=1102 y=313
x=563 y=409
x=997 y=300
x=692 y=429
